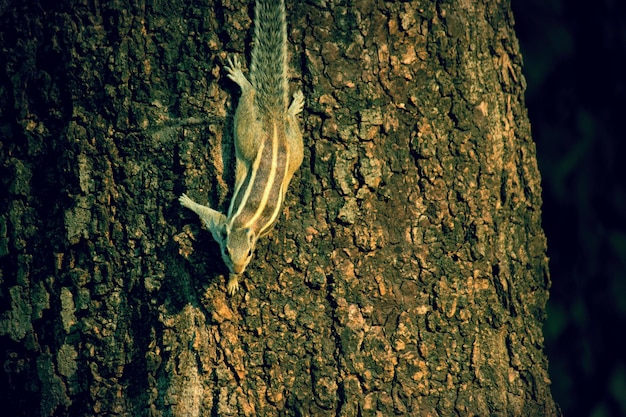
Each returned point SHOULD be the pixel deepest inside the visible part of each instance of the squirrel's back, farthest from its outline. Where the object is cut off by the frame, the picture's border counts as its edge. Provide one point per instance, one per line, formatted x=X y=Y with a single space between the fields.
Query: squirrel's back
x=268 y=69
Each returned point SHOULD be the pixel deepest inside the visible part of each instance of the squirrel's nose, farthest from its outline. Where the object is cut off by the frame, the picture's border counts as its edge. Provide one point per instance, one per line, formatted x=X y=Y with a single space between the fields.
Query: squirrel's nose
x=238 y=268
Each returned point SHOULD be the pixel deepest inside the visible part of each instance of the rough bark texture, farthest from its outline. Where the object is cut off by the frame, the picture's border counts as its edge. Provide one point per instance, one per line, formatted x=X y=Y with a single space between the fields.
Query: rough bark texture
x=407 y=275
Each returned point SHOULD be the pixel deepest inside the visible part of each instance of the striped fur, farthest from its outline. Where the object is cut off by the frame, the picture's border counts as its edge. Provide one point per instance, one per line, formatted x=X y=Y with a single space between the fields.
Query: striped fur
x=257 y=201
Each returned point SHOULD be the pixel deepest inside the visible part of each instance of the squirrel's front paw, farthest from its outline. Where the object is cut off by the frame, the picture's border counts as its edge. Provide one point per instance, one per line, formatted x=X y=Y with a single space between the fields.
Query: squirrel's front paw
x=233 y=284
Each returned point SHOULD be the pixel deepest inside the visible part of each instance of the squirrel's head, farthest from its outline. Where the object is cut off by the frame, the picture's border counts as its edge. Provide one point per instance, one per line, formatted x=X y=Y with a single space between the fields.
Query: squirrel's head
x=237 y=248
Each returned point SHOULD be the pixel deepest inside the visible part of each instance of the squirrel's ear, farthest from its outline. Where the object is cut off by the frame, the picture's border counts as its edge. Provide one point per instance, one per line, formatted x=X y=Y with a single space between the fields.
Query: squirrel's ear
x=224 y=232
x=251 y=242
x=251 y=236
x=220 y=232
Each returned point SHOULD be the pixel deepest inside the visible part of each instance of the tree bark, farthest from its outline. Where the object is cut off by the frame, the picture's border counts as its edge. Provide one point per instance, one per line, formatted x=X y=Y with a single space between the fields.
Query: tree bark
x=407 y=275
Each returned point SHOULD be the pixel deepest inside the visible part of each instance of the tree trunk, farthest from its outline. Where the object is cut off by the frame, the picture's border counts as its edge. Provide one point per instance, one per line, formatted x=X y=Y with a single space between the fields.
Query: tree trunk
x=407 y=275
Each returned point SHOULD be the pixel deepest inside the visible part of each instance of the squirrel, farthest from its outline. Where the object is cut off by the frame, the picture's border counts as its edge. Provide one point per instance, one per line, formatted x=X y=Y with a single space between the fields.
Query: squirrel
x=268 y=144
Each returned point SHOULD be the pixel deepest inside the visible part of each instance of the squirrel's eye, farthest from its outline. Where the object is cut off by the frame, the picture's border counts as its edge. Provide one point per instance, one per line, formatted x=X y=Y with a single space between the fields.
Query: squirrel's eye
x=249 y=253
x=226 y=251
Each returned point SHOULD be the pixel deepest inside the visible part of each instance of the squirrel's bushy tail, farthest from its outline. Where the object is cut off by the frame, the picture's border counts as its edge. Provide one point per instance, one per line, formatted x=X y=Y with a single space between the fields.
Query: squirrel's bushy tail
x=268 y=69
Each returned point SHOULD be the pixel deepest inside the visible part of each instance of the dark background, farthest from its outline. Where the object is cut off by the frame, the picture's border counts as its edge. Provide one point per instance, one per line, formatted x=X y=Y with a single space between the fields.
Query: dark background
x=574 y=63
